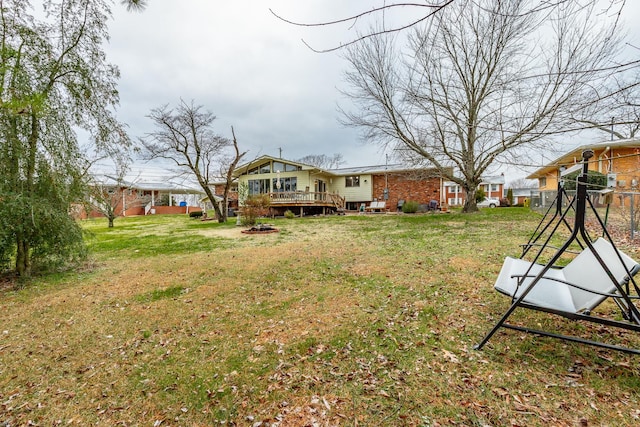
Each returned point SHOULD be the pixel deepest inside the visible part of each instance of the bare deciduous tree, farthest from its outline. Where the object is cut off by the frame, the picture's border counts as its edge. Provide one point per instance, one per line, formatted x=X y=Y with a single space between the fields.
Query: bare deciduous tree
x=323 y=161
x=185 y=137
x=106 y=196
x=423 y=12
x=110 y=195
x=227 y=167
x=420 y=13
x=482 y=80
x=617 y=113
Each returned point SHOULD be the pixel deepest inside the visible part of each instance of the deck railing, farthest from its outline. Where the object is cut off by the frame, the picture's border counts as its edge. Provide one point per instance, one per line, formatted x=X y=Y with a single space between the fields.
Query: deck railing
x=307 y=198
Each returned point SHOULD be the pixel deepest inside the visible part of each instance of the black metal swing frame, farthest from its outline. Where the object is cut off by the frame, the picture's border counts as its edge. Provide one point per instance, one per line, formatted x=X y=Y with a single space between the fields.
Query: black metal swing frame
x=625 y=292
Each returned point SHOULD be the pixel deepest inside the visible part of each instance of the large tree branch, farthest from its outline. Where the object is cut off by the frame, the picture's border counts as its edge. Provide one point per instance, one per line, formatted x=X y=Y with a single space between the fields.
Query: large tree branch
x=433 y=9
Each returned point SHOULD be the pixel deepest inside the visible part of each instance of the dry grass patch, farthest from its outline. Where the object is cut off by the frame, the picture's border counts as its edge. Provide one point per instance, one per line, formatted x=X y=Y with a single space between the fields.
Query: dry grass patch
x=332 y=321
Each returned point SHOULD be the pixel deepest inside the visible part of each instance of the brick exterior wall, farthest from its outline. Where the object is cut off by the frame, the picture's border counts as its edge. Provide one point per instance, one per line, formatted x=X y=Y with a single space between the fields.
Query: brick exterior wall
x=626 y=164
x=135 y=205
x=406 y=186
x=80 y=213
x=164 y=210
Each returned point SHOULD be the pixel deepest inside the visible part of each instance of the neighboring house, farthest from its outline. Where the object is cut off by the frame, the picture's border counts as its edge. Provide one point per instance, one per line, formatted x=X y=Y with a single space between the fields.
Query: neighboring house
x=145 y=197
x=493 y=187
x=306 y=189
x=232 y=195
x=180 y=197
x=619 y=160
x=112 y=195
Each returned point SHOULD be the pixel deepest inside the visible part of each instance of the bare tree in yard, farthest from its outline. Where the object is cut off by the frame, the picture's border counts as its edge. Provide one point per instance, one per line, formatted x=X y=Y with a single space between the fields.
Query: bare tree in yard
x=482 y=80
x=106 y=196
x=110 y=195
x=185 y=137
x=323 y=161
x=227 y=166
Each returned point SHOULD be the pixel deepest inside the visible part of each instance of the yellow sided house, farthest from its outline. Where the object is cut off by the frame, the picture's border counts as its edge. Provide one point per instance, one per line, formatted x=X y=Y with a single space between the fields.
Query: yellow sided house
x=291 y=185
x=619 y=160
x=309 y=190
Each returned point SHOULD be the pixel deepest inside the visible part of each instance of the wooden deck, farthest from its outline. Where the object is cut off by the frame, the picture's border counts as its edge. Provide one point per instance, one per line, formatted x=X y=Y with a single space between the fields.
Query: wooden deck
x=306 y=199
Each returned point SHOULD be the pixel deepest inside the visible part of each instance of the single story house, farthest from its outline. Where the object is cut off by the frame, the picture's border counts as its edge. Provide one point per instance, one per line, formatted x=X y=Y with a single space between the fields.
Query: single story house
x=145 y=197
x=301 y=188
x=306 y=189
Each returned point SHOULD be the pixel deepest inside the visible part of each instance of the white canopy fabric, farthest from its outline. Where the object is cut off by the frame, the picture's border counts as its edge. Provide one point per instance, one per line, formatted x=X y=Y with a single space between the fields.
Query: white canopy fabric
x=584 y=271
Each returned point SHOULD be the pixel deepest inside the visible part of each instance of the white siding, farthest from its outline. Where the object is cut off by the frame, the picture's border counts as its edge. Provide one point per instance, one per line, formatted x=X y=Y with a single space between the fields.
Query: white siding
x=354 y=194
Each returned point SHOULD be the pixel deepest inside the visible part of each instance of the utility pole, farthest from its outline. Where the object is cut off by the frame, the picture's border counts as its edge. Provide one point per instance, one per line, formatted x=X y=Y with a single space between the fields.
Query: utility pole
x=612 y=118
x=386 y=178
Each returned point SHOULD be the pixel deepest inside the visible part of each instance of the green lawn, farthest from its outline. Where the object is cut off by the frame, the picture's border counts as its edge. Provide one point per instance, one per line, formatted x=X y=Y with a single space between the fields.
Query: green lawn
x=359 y=321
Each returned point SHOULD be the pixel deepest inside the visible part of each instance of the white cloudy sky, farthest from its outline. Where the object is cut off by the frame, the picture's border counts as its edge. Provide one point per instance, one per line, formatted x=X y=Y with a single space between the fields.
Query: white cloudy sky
x=247 y=67
x=243 y=64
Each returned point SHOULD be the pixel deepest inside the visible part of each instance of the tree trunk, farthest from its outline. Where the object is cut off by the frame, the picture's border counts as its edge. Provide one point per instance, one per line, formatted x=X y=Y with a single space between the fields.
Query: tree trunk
x=211 y=196
x=219 y=215
x=232 y=167
x=470 y=204
x=23 y=260
x=222 y=212
x=23 y=248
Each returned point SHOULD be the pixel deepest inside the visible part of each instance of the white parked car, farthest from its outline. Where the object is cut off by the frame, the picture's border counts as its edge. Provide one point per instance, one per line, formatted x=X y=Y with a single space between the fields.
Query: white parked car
x=489 y=203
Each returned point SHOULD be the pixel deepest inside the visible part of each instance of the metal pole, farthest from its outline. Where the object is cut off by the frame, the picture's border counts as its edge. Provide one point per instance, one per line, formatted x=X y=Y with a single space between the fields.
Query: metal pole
x=612 y=118
x=386 y=178
x=633 y=219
